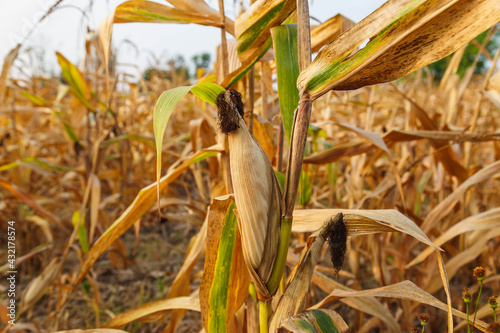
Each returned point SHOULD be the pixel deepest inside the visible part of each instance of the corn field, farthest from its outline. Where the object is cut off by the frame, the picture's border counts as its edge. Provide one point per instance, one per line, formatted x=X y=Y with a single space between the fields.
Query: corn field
x=318 y=178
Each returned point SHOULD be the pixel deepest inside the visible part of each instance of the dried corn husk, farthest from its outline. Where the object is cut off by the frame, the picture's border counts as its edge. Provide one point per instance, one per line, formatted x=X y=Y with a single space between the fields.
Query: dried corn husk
x=257 y=192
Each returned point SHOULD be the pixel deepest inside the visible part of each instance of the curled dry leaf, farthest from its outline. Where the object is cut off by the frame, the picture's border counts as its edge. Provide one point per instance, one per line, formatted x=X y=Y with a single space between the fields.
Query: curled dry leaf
x=403 y=35
x=445 y=206
x=154 y=310
x=484 y=221
x=402 y=290
x=39 y=285
x=360 y=222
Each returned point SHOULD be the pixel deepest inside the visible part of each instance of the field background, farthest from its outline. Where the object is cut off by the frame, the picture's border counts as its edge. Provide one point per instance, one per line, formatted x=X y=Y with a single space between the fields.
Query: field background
x=73 y=154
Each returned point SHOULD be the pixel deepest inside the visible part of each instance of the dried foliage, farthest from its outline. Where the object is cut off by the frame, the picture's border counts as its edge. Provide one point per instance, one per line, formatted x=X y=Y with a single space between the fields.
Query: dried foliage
x=412 y=166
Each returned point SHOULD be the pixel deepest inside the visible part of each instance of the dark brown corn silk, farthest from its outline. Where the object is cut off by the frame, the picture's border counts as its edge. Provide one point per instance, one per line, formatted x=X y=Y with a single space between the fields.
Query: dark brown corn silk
x=229 y=105
x=337 y=241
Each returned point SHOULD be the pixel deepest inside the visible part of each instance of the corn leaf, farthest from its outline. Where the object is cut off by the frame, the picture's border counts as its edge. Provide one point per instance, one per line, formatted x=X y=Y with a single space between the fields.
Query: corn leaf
x=153 y=12
x=7 y=65
x=224 y=285
x=402 y=290
x=30 y=201
x=82 y=231
x=404 y=35
x=72 y=75
x=93 y=330
x=316 y=321
x=488 y=220
x=287 y=66
x=327 y=31
x=166 y=105
x=154 y=310
x=253 y=33
x=368 y=305
x=39 y=285
x=38 y=100
x=445 y=206
x=360 y=222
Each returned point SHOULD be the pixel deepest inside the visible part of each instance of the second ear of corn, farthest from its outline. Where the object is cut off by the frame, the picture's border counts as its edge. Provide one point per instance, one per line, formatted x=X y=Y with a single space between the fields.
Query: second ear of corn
x=257 y=192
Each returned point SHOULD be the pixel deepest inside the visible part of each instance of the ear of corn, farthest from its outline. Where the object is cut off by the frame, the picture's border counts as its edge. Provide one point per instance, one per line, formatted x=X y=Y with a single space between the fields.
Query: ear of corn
x=256 y=190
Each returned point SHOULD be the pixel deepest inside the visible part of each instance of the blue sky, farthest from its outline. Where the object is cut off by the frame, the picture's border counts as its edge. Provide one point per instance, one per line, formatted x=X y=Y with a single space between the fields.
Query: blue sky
x=65 y=30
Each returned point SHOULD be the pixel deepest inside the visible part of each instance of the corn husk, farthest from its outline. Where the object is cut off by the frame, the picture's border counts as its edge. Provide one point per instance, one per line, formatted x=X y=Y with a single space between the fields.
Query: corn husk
x=257 y=193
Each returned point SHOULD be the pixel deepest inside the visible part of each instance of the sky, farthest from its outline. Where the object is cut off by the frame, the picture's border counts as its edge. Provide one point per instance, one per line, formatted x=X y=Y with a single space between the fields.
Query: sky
x=139 y=44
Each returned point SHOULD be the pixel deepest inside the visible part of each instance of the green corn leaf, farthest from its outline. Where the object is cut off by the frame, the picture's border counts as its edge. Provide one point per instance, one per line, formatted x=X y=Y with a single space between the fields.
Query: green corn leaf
x=287 y=64
x=316 y=321
x=26 y=162
x=166 y=105
x=404 y=35
x=82 y=231
x=78 y=87
x=68 y=129
x=38 y=100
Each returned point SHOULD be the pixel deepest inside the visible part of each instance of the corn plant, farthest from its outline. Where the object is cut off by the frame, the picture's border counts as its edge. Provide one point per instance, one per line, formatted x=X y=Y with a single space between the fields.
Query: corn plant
x=247 y=230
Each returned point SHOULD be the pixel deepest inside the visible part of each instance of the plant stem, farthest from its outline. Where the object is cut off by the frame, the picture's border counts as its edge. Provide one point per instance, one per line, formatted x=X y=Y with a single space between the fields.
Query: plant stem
x=477 y=302
x=495 y=315
x=280 y=261
x=252 y=292
x=467 y=312
x=264 y=312
x=297 y=148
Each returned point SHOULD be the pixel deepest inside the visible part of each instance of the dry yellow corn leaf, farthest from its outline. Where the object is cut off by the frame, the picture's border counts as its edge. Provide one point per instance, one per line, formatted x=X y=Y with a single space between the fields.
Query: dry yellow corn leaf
x=368 y=305
x=360 y=222
x=153 y=12
x=403 y=35
x=327 y=31
x=402 y=290
x=30 y=201
x=7 y=64
x=39 y=285
x=484 y=221
x=154 y=310
x=445 y=206
x=461 y=259
x=95 y=330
